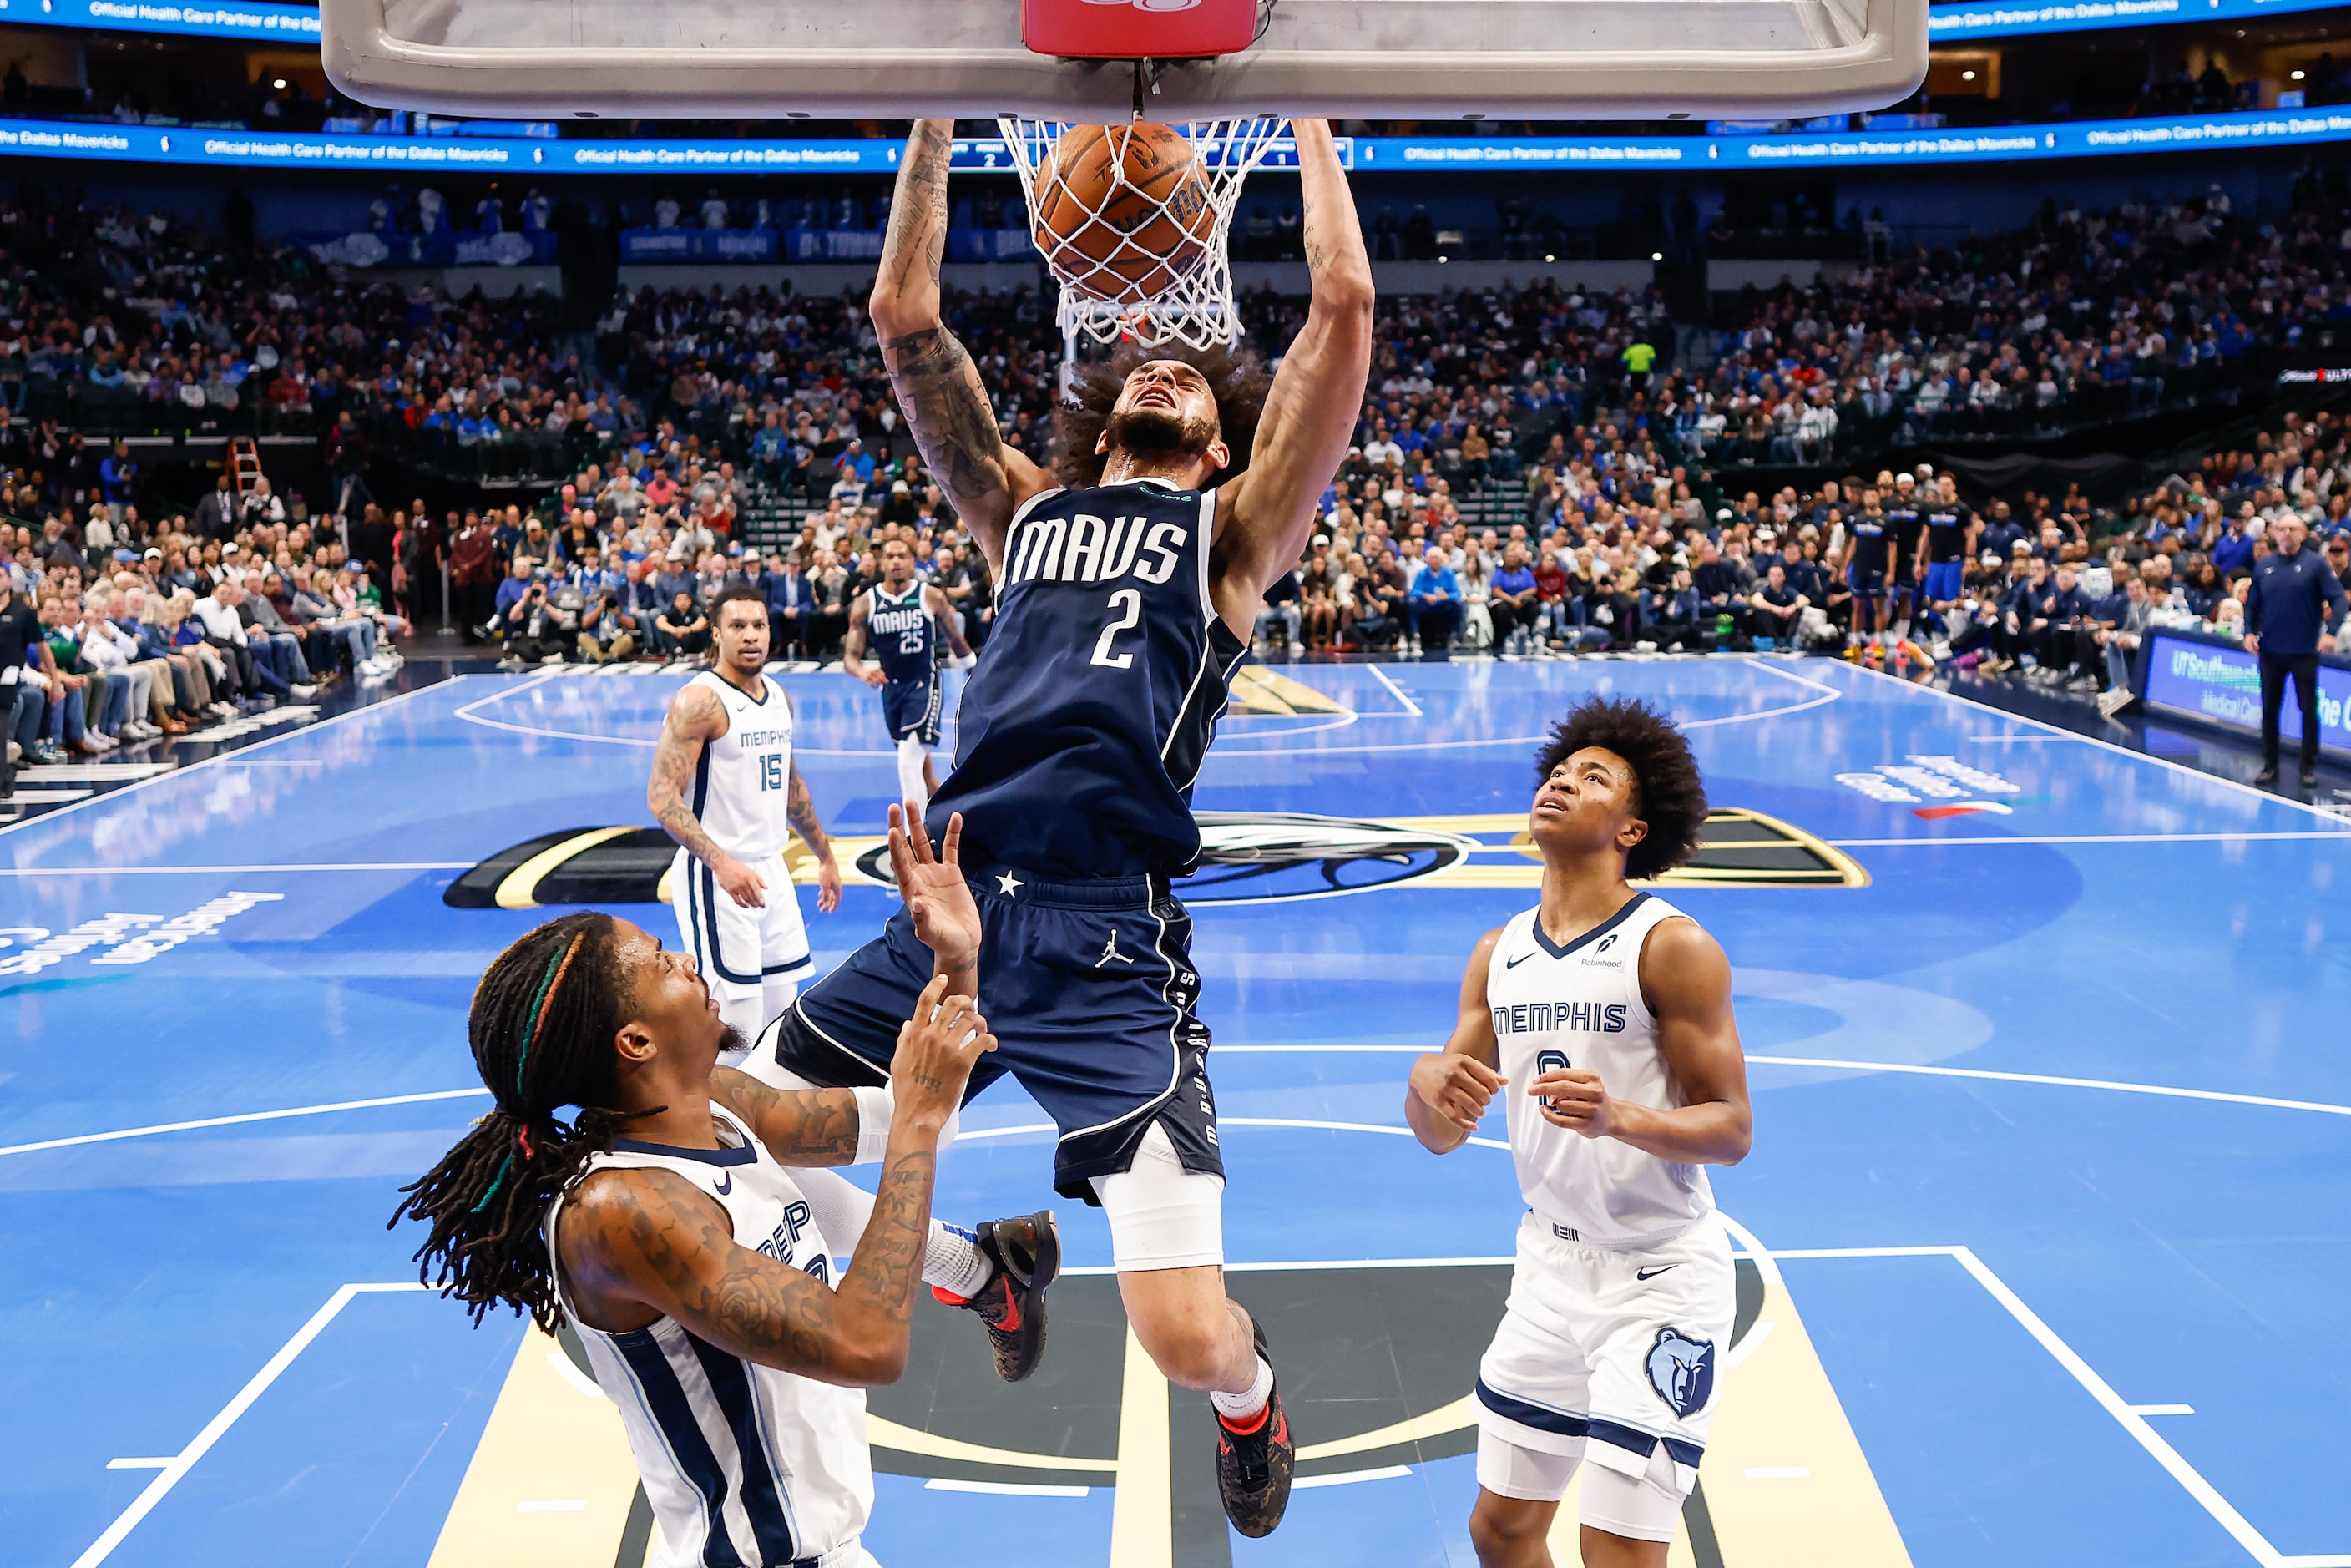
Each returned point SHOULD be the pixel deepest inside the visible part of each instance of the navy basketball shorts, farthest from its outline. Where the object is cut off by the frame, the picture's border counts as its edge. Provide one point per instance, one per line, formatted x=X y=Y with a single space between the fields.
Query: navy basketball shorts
x=1089 y=989
x=912 y=708
x=1868 y=584
x=1946 y=580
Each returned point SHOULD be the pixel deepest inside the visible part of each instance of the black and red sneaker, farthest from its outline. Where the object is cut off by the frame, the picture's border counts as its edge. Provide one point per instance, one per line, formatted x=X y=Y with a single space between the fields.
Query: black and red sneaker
x=1027 y=1253
x=1253 y=1466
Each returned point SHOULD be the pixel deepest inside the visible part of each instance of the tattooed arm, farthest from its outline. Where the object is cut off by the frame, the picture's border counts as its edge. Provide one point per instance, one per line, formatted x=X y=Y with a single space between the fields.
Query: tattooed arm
x=696 y=719
x=1268 y=513
x=801 y=1127
x=939 y=390
x=943 y=610
x=800 y=809
x=638 y=1245
x=852 y=646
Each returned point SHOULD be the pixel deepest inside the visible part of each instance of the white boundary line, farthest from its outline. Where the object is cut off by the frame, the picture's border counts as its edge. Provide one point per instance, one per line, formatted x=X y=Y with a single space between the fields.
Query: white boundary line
x=1381 y=675
x=186 y=1459
x=2131 y=1418
x=2180 y=768
x=465 y=715
x=1919 y=840
x=2164 y=1090
x=968 y=1133
x=1915 y=841
x=222 y=758
x=80 y=1138
x=230 y=869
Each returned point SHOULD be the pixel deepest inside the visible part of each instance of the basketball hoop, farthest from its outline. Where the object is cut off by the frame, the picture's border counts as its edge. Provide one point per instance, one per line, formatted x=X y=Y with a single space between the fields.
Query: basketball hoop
x=1195 y=305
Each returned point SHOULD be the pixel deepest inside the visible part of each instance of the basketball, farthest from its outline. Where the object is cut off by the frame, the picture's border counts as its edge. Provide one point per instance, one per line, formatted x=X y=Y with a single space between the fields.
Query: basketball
x=1124 y=210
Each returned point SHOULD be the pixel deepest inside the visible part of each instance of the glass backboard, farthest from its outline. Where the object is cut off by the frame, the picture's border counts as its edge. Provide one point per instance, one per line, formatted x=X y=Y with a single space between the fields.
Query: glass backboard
x=837 y=59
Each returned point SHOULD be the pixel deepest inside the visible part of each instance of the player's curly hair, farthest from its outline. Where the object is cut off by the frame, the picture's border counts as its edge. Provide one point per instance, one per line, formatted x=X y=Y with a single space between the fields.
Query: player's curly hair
x=1237 y=380
x=542 y=1025
x=1668 y=793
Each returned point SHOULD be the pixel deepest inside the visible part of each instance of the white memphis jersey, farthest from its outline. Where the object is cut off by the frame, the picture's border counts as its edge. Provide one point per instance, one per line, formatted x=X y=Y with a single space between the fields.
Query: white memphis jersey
x=1580 y=1005
x=743 y=1464
x=742 y=786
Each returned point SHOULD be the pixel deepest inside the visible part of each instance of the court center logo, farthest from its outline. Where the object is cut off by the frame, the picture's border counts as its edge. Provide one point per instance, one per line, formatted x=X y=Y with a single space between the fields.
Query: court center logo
x=1681 y=1369
x=1246 y=857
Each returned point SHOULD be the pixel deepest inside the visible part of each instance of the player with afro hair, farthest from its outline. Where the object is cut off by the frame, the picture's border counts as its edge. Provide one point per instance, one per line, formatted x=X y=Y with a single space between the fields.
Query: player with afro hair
x=1667 y=797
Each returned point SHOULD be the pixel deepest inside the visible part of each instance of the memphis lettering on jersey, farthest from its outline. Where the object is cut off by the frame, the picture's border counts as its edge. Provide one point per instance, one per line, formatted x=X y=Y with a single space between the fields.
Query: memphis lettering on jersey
x=787 y=1236
x=1086 y=548
x=753 y=740
x=1545 y=1018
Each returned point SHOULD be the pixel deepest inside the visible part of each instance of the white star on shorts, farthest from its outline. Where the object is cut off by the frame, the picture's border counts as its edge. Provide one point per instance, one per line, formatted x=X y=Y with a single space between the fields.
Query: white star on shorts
x=1008 y=882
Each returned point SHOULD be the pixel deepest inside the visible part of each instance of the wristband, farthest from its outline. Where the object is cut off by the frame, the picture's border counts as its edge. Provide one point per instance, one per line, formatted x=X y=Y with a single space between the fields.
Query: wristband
x=874 y=1110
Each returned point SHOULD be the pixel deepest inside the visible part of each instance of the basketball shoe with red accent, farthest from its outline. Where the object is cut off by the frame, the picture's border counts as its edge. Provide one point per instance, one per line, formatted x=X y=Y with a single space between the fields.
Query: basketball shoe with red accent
x=1253 y=1466
x=1027 y=1253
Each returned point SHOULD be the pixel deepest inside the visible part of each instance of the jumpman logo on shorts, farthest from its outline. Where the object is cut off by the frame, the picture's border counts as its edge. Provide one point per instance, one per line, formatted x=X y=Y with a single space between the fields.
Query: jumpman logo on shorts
x=1110 y=951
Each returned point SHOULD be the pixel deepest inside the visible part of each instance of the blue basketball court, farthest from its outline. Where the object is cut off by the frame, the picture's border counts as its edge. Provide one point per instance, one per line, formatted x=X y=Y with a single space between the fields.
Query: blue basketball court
x=2044 y=1226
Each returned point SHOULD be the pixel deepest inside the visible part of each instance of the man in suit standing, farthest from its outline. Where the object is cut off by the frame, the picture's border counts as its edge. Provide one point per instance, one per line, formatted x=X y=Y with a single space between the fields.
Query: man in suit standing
x=2292 y=610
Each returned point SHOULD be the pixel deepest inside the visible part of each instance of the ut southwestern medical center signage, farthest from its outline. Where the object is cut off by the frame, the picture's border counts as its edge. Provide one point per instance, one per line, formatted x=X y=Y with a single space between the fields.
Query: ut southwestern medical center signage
x=1826 y=149
x=2222 y=684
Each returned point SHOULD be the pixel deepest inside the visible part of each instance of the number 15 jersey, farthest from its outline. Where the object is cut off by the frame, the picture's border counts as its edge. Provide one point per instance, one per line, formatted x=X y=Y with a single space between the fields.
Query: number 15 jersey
x=1580 y=1005
x=1083 y=726
x=742 y=786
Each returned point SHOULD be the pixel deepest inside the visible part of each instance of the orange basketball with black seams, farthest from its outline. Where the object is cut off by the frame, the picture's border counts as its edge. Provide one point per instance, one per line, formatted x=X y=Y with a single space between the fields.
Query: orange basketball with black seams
x=1124 y=210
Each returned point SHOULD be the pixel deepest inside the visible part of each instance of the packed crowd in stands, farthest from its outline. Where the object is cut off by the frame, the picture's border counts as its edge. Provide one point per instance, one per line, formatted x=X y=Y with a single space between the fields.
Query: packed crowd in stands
x=1532 y=476
x=2073 y=318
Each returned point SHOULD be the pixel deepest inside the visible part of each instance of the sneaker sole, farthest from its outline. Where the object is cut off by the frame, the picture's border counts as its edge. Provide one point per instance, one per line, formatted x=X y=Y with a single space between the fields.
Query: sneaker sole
x=1018 y=1352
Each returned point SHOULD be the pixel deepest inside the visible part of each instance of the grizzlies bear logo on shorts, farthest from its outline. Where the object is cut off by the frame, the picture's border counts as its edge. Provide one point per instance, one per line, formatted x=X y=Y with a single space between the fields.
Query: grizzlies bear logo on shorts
x=1681 y=1369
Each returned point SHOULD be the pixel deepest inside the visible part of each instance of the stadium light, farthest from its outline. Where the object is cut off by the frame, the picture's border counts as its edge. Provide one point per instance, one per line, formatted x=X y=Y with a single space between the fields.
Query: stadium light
x=1966 y=76
x=2297 y=76
x=1656 y=256
x=278 y=82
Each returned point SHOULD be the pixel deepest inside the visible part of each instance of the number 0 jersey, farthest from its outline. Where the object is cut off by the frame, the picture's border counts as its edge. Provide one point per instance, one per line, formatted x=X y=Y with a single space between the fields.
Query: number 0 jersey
x=742 y=786
x=1580 y=1005
x=1083 y=726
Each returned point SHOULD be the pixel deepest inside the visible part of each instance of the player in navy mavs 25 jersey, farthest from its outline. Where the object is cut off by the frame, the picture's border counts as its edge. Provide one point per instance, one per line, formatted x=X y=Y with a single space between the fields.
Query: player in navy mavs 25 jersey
x=904 y=619
x=1128 y=583
x=1605 y=1014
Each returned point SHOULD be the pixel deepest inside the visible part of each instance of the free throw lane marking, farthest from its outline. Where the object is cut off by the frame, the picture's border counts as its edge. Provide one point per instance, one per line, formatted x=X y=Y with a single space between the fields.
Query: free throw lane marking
x=550 y=1484
x=1143 y=1509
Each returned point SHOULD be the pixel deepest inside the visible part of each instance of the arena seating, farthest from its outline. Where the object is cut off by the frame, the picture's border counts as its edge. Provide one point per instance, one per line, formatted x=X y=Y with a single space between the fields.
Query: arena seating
x=1538 y=471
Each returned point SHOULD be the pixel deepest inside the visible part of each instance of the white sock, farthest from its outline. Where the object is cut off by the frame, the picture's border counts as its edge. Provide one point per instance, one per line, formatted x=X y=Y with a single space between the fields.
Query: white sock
x=1249 y=1401
x=953 y=1262
x=911 y=752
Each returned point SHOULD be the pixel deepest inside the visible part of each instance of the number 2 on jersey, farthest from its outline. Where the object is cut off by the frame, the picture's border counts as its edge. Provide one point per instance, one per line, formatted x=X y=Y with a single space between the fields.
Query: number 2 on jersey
x=1130 y=616
x=1550 y=1062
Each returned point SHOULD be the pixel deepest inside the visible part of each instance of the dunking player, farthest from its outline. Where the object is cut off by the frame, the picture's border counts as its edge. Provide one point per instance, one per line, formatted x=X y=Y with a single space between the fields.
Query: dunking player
x=1609 y=1010
x=1129 y=583
x=729 y=741
x=666 y=1222
x=727 y=744
x=907 y=621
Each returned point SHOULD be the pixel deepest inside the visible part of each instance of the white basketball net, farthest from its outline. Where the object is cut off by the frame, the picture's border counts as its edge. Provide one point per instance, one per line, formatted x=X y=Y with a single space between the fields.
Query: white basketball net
x=1196 y=307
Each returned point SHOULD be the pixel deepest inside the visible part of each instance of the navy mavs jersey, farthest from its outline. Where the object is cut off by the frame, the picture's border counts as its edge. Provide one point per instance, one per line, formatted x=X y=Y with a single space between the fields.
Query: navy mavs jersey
x=901 y=634
x=1085 y=724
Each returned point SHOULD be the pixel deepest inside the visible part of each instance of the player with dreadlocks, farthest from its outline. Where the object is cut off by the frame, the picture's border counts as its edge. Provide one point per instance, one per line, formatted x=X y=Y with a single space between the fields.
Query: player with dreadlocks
x=1613 y=1009
x=666 y=1222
